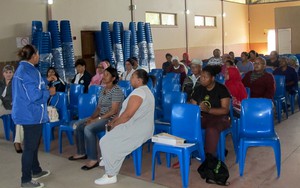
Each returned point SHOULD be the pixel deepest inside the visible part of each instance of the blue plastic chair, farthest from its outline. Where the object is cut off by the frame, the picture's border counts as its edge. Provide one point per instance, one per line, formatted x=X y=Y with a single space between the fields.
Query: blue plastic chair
x=75 y=91
x=269 y=70
x=59 y=100
x=220 y=78
x=257 y=129
x=170 y=98
x=126 y=87
x=279 y=97
x=95 y=90
x=248 y=92
x=8 y=125
x=185 y=123
x=87 y=104
x=172 y=75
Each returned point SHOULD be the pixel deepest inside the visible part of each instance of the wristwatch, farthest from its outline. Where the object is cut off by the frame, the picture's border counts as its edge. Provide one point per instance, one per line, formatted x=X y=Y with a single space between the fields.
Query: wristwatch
x=99 y=117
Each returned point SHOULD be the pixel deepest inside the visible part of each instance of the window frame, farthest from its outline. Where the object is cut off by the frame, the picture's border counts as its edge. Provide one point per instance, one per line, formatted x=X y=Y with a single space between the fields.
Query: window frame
x=204 y=18
x=160 y=19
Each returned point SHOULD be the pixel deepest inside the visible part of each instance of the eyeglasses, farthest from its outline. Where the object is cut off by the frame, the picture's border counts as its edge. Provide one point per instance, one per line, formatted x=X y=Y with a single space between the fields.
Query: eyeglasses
x=100 y=67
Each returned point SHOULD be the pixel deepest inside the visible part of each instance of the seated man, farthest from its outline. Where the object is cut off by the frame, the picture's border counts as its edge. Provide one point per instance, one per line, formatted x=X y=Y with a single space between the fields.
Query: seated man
x=216 y=59
x=291 y=78
x=166 y=65
x=273 y=62
x=261 y=83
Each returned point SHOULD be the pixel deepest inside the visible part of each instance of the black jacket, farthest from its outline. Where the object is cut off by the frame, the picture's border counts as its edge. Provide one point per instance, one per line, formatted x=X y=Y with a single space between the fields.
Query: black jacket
x=7 y=100
x=84 y=80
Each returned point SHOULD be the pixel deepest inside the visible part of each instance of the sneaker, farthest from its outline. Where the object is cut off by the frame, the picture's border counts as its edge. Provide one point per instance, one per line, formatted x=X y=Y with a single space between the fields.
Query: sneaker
x=32 y=184
x=104 y=180
x=40 y=175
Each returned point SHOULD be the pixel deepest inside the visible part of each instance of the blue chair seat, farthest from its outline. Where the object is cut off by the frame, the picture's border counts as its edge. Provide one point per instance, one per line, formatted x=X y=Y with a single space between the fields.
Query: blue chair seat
x=257 y=129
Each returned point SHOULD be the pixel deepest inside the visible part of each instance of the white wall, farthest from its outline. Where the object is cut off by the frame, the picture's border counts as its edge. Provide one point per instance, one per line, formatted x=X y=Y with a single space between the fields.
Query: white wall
x=88 y=15
x=16 y=17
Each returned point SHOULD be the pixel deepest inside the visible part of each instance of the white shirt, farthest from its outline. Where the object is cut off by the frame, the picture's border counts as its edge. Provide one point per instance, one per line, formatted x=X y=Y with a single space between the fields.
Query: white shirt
x=215 y=61
x=77 y=78
x=126 y=76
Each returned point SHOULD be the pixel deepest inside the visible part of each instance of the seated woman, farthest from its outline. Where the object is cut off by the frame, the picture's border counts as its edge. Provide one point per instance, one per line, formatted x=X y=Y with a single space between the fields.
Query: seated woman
x=55 y=81
x=82 y=77
x=6 y=103
x=233 y=82
x=110 y=100
x=129 y=69
x=244 y=65
x=97 y=79
x=213 y=99
x=132 y=128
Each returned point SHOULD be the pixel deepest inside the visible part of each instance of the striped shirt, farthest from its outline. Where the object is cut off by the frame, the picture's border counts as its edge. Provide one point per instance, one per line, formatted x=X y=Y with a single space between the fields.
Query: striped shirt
x=106 y=99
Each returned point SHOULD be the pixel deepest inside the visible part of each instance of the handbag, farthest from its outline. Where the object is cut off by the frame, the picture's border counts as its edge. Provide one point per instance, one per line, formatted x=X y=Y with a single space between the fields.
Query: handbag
x=52 y=111
x=214 y=171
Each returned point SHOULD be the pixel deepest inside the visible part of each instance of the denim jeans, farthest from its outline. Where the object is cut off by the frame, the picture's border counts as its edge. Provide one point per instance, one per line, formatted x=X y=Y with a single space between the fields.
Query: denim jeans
x=86 y=137
x=30 y=162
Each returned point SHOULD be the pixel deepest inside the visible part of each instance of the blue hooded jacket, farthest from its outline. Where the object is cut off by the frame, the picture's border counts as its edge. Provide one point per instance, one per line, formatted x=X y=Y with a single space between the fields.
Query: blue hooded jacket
x=30 y=96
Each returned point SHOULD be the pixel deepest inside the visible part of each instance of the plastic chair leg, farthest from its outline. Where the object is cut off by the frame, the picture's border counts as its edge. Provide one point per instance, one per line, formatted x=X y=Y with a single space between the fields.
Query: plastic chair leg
x=277 y=153
x=137 y=159
x=6 y=125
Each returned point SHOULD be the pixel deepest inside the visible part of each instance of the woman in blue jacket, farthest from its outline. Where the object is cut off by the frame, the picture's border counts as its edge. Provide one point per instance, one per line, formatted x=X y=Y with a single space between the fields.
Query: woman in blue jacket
x=29 y=109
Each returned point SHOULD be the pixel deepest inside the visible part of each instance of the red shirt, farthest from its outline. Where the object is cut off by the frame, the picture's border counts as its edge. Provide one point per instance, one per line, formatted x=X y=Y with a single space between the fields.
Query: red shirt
x=263 y=87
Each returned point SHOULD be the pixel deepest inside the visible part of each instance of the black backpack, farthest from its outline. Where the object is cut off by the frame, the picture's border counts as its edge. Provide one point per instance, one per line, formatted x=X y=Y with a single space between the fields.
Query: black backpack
x=214 y=171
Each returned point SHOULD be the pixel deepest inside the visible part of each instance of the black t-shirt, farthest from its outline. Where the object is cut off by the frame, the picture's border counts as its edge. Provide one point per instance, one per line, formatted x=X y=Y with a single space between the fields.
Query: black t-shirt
x=212 y=97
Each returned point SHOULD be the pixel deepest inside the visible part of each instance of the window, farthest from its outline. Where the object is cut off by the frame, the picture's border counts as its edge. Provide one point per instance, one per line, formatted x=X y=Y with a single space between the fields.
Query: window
x=158 y=18
x=205 y=21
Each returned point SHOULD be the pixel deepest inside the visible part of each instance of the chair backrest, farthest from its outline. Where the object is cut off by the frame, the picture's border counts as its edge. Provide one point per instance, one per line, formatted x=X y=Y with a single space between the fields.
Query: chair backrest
x=87 y=104
x=257 y=119
x=156 y=71
x=220 y=78
x=171 y=87
x=172 y=75
x=269 y=70
x=171 y=98
x=248 y=92
x=125 y=86
x=280 y=86
x=95 y=90
x=186 y=122
x=60 y=101
x=75 y=91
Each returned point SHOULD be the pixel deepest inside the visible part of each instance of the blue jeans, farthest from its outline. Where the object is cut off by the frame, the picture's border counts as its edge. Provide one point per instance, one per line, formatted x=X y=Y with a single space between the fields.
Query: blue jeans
x=86 y=137
x=30 y=162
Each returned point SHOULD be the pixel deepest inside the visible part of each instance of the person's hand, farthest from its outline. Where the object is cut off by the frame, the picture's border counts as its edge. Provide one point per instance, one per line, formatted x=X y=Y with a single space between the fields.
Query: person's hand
x=52 y=90
x=204 y=107
x=52 y=78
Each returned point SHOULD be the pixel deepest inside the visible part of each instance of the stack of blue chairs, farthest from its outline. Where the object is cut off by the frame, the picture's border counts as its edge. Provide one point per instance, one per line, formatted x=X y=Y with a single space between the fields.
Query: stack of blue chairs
x=118 y=47
x=107 y=41
x=151 y=56
x=56 y=48
x=42 y=41
x=126 y=44
x=99 y=45
x=142 y=44
x=36 y=26
x=134 y=51
x=67 y=49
